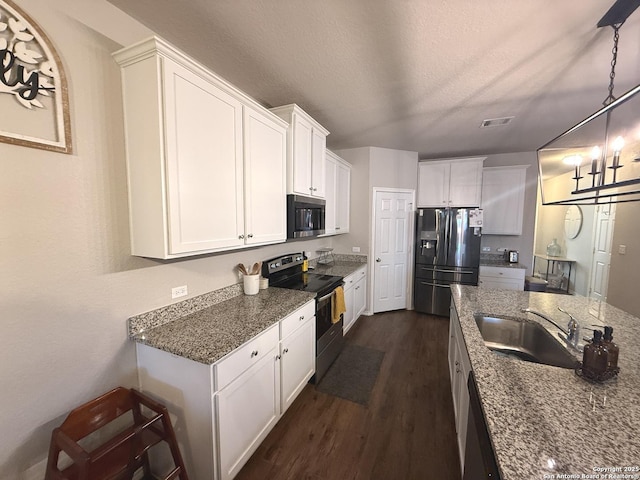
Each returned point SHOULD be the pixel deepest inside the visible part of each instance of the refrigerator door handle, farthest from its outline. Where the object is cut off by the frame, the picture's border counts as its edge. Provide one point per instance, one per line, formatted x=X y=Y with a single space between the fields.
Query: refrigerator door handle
x=429 y=284
x=464 y=272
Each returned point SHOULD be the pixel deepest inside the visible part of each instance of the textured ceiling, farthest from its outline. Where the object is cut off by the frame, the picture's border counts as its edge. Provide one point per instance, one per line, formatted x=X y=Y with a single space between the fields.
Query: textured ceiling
x=415 y=75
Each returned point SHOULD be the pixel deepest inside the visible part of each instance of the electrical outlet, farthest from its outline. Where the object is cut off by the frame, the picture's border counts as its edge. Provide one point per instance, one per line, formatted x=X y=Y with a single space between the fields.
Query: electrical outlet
x=355 y=249
x=622 y=249
x=177 y=292
x=486 y=249
x=501 y=249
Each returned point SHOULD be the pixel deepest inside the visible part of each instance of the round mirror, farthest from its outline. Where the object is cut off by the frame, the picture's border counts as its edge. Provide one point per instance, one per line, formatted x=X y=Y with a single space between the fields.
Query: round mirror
x=573 y=222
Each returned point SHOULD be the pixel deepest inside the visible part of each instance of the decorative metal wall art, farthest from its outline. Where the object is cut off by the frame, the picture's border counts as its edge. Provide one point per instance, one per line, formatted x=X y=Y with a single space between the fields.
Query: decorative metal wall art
x=33 y=90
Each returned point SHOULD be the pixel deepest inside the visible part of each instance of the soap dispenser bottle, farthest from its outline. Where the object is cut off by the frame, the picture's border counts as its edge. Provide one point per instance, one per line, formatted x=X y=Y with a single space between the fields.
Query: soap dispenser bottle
x=595 y=356
x=612 y=349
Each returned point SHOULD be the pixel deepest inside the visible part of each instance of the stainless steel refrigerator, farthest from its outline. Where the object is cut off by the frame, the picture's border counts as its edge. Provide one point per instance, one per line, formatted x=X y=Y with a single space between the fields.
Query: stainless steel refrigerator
x=447 y=251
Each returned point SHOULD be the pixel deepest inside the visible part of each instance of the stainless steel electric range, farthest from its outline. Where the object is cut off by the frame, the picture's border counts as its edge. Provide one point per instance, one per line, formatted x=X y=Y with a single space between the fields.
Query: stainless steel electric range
x=286 y=272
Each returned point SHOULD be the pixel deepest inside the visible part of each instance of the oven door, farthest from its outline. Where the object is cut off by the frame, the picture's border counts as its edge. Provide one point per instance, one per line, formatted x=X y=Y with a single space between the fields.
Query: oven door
x=324 y=314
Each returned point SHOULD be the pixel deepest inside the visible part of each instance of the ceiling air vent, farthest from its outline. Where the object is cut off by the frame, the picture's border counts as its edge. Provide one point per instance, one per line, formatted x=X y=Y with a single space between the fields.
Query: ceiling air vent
x=496 y=122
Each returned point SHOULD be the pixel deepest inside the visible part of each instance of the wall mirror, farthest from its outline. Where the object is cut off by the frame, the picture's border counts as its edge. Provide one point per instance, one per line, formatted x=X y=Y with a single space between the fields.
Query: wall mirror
x=573 y=222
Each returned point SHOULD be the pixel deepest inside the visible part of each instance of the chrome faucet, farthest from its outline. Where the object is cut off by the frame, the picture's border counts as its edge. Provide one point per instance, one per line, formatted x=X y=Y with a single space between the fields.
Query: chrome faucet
x=572 y=333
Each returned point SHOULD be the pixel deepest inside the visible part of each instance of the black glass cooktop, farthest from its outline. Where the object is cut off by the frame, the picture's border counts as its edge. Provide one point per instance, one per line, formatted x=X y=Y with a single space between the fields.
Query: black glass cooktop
x=311 y=282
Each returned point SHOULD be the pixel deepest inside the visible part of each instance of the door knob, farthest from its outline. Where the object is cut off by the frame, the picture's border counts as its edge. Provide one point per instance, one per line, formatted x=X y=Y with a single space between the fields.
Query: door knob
x=378 y=260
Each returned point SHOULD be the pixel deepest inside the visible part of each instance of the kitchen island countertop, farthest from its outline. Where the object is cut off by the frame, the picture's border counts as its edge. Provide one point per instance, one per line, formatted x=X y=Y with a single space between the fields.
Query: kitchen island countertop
x=546 y=422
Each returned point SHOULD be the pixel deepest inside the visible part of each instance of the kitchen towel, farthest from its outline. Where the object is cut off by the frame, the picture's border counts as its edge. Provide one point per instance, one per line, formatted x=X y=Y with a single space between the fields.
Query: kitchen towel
x=338 y=305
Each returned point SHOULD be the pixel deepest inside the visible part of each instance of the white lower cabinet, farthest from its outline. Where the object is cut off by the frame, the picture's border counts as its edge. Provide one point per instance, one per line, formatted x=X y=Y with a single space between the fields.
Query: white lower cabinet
x=355 y=297
x=222 y=412
x=298 y=361
x=246 y=410
x=501 y=277
x=459 y=368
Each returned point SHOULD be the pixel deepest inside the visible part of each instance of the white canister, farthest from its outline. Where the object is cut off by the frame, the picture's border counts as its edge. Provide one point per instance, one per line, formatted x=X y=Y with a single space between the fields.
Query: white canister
x=251 y=284
x=264 y=283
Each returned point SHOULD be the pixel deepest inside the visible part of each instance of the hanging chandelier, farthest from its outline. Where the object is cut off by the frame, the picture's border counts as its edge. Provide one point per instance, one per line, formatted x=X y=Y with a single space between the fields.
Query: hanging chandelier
x=598 y=160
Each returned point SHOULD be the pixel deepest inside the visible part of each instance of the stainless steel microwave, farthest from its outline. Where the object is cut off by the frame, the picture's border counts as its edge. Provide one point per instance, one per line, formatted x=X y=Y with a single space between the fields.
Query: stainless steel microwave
x=305 y=216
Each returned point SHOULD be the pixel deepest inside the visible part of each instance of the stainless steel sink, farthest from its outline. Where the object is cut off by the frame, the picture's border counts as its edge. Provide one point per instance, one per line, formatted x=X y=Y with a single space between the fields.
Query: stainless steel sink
x=525 y=339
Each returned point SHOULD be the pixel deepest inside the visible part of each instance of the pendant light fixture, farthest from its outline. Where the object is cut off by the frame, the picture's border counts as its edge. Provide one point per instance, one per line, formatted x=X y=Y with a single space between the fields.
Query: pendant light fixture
x=598 y=160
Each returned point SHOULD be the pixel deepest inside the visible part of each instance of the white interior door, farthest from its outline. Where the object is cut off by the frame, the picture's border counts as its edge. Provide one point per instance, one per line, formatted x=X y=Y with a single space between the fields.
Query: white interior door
x=604 y=221
x=392 y=245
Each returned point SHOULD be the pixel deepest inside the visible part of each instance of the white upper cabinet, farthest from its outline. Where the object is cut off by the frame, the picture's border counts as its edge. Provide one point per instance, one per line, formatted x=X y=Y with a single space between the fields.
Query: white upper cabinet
x=204 y=179
x=331 y=195
x=265 y=178
x=306 y=144
x=503 y=191
x=338 y=194
x=343 y=197
x=197 y=164
x=450 y=183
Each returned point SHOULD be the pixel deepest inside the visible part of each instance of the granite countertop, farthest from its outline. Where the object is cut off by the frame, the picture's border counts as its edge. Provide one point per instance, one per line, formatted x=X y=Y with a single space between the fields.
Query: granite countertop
x=208 y=334
x=340 y=268
x=493 y=260
x=545 y=421
x=501 y=263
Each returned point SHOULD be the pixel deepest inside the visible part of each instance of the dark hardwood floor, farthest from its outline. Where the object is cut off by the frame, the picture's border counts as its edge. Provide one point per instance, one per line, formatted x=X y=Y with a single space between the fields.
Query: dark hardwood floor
x=406 y=432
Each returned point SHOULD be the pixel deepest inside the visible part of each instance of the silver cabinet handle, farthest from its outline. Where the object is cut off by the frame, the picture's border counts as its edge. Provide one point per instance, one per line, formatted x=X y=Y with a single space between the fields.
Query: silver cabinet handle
x=337 y=228
x=278 y=357
x=315 y=189
x=378 y=260
x=357 y=287
x=254 y=353
x=311 y=188
x=301 y=318
x=240 y=237
x=285 y=351
x=250 y=235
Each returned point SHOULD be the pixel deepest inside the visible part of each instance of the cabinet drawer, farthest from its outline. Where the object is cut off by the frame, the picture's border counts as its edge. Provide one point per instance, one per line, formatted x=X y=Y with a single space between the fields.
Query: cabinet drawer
x=502 y=272
x=295 y=320
x=243 y=357
x=352 y=279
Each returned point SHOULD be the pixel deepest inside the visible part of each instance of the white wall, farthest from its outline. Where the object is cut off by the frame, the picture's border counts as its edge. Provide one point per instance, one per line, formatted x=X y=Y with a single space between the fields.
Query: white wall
x=623 y=277
x=550 y=225
x=68 y=281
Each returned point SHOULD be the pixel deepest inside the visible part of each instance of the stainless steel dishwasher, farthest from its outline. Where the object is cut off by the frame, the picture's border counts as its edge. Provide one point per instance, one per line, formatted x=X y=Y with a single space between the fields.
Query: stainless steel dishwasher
x=479 y=457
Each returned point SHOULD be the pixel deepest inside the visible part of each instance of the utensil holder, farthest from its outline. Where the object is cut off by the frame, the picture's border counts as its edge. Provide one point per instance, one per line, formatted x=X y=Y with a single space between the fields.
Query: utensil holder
x=251 y=284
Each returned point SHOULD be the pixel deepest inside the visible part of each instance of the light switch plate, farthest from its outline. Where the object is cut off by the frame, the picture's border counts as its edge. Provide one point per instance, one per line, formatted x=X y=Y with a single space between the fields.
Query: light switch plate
x=622 y=249
x=355 y=249
x=486 y=249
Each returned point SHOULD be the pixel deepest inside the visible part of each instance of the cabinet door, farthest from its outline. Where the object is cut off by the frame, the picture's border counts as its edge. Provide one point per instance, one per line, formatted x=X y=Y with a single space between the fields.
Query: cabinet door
x=265 y=179
x=359 y=297
x=301 y=167
x=331 y=194
x=246 y=410
x=343 y=198
x=465 y=186
x=204 y=163
x=318 y=163
x=433 y=184
x=503 y=200
x=349 y=302
x=298 y=361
